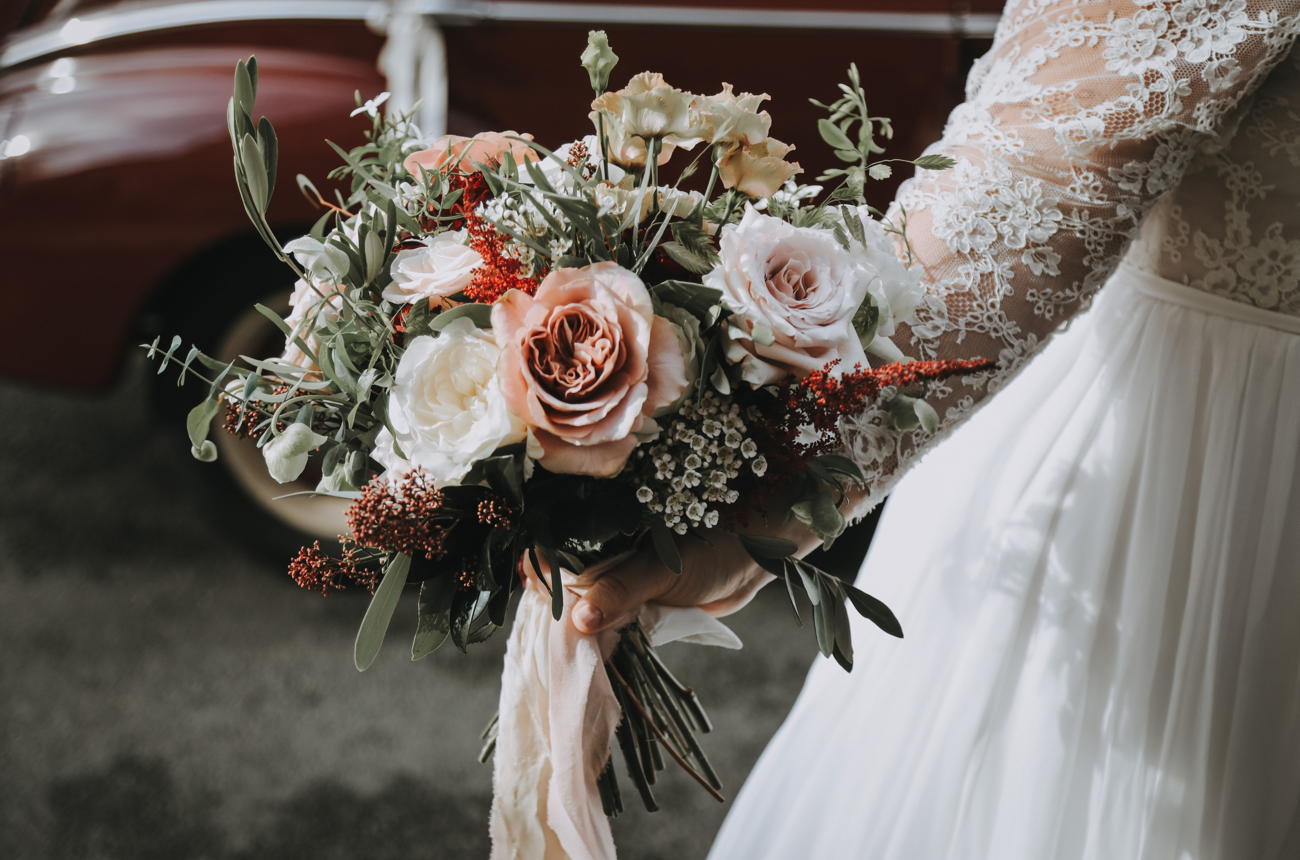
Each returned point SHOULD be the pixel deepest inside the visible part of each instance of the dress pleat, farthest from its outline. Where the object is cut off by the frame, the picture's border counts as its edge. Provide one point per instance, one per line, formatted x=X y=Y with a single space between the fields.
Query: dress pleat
x=1099 y=577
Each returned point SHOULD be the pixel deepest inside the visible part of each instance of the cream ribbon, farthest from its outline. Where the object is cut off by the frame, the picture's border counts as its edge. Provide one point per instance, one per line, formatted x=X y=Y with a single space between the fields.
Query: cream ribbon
x=556 y=722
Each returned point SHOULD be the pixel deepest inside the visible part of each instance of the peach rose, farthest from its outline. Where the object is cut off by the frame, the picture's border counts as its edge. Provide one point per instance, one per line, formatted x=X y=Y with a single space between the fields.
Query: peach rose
x=584 y=363
x=453 y=152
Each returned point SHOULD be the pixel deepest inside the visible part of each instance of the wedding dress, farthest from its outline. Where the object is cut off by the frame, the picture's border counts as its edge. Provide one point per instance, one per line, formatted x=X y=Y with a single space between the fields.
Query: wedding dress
x=1099 y=573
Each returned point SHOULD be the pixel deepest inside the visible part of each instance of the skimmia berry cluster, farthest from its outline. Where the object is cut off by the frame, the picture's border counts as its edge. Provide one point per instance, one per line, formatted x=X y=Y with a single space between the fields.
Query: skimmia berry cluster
x=401 y=517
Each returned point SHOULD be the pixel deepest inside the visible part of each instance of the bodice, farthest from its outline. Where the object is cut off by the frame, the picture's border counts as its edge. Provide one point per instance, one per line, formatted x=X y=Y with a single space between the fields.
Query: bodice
x=1232 y=225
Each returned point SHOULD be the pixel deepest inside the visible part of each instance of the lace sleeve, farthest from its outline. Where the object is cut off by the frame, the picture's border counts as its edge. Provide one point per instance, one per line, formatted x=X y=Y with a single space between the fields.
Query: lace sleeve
x=1077 y=120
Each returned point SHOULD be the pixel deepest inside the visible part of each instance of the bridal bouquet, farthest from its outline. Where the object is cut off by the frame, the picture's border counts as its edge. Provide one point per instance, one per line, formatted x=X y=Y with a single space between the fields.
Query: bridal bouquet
x=522 y=364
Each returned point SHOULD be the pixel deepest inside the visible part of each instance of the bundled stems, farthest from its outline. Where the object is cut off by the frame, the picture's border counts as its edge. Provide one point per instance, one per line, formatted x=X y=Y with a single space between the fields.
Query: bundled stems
x=660 y=715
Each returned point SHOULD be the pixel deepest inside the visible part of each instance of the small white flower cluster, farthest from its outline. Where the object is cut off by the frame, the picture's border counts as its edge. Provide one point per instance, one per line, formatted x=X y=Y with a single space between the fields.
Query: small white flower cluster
x=692 y=467
x=522 y=219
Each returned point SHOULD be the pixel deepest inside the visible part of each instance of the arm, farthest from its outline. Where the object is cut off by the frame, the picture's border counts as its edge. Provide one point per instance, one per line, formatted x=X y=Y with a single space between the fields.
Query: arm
x=1076 y=121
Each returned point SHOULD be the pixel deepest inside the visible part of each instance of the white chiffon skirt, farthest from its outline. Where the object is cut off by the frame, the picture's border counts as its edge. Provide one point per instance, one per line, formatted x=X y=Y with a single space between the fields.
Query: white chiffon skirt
x=1099 y=580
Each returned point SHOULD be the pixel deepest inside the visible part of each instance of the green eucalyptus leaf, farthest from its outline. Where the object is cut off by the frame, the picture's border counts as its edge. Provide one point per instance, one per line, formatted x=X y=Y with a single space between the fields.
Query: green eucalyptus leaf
x=205 y=451
x=246 y=84
x=935 y=162
x=199 y=420
x=834 y=135
x=480 y=315
x=251 y=159
x=380 y=612
x=902 y=412
x=925 y=414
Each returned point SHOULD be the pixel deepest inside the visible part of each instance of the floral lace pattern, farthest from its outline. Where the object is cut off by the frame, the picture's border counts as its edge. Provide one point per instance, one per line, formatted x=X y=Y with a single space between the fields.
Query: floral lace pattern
x=1230 y=227
x=1082 y=118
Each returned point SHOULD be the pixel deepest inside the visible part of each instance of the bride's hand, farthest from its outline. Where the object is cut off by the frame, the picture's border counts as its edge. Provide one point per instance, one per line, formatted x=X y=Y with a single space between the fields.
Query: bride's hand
x=717 y=574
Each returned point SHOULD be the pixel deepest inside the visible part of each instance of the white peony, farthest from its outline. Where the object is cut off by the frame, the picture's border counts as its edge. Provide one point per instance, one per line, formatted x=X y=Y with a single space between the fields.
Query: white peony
x=446 y=405
x=894 y=288
x=438 y=269
x=793 y=292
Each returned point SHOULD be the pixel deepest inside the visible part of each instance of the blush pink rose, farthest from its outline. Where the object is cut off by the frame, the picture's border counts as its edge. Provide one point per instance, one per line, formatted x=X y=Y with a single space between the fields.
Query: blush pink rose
x=584 y=363
x=465 y=154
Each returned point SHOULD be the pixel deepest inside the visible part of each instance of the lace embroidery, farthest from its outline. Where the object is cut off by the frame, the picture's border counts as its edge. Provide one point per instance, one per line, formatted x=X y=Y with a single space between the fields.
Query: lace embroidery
x=1081 y=117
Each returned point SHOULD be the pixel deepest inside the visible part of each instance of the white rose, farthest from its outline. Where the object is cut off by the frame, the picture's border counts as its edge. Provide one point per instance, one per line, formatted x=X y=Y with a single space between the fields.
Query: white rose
x=793 y=292
x=446 y=405
x=438 y=269
x=895 y=288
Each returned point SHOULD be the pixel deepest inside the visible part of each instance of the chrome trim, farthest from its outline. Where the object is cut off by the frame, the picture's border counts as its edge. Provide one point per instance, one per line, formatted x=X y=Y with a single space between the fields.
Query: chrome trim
x=144 y=16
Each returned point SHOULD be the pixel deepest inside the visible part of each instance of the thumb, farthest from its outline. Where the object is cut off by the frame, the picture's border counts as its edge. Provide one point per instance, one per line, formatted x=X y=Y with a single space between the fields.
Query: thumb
x=620 y=593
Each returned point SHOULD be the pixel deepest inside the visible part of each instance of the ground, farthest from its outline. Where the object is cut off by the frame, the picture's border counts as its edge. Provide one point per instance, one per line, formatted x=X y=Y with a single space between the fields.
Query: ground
x=168 y=693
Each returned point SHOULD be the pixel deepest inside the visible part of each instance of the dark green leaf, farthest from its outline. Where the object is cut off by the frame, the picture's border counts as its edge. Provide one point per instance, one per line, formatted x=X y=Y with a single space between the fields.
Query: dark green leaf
x=666 y=546
x=760 y=546
x=874 y=611
x=840 y=465
x=692 y=262
x=434 y=615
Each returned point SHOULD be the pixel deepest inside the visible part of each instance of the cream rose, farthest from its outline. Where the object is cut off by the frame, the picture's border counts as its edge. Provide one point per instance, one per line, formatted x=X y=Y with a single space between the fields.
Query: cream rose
x=438 y=269
x=585 y=363
x=758 y=170
x=647 y=108
x=446 y=405
x=728 y=118
x=793 y=292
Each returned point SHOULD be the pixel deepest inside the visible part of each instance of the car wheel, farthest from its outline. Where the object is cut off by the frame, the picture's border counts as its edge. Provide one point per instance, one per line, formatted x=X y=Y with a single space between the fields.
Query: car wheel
x=210 y=304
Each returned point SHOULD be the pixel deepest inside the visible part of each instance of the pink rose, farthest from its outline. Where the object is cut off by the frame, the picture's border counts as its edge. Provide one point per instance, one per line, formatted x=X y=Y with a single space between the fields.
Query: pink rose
x=464 y=154
x=584 y=363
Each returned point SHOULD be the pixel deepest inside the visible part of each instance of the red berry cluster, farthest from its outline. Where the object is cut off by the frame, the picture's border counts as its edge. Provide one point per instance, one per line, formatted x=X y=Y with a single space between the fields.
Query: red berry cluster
x=313 y=569
x=402 y=517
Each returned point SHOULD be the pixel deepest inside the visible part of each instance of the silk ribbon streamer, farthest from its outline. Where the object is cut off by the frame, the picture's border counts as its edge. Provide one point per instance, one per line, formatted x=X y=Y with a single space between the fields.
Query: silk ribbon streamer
x=556 y=721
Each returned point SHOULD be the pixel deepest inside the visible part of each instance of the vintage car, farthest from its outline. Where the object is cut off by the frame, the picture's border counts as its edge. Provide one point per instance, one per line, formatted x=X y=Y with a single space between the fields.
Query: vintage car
x=118 y=210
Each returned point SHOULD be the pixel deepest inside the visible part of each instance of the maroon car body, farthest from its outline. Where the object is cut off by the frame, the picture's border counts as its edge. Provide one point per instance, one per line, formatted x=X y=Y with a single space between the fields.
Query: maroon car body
x=117 y=180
